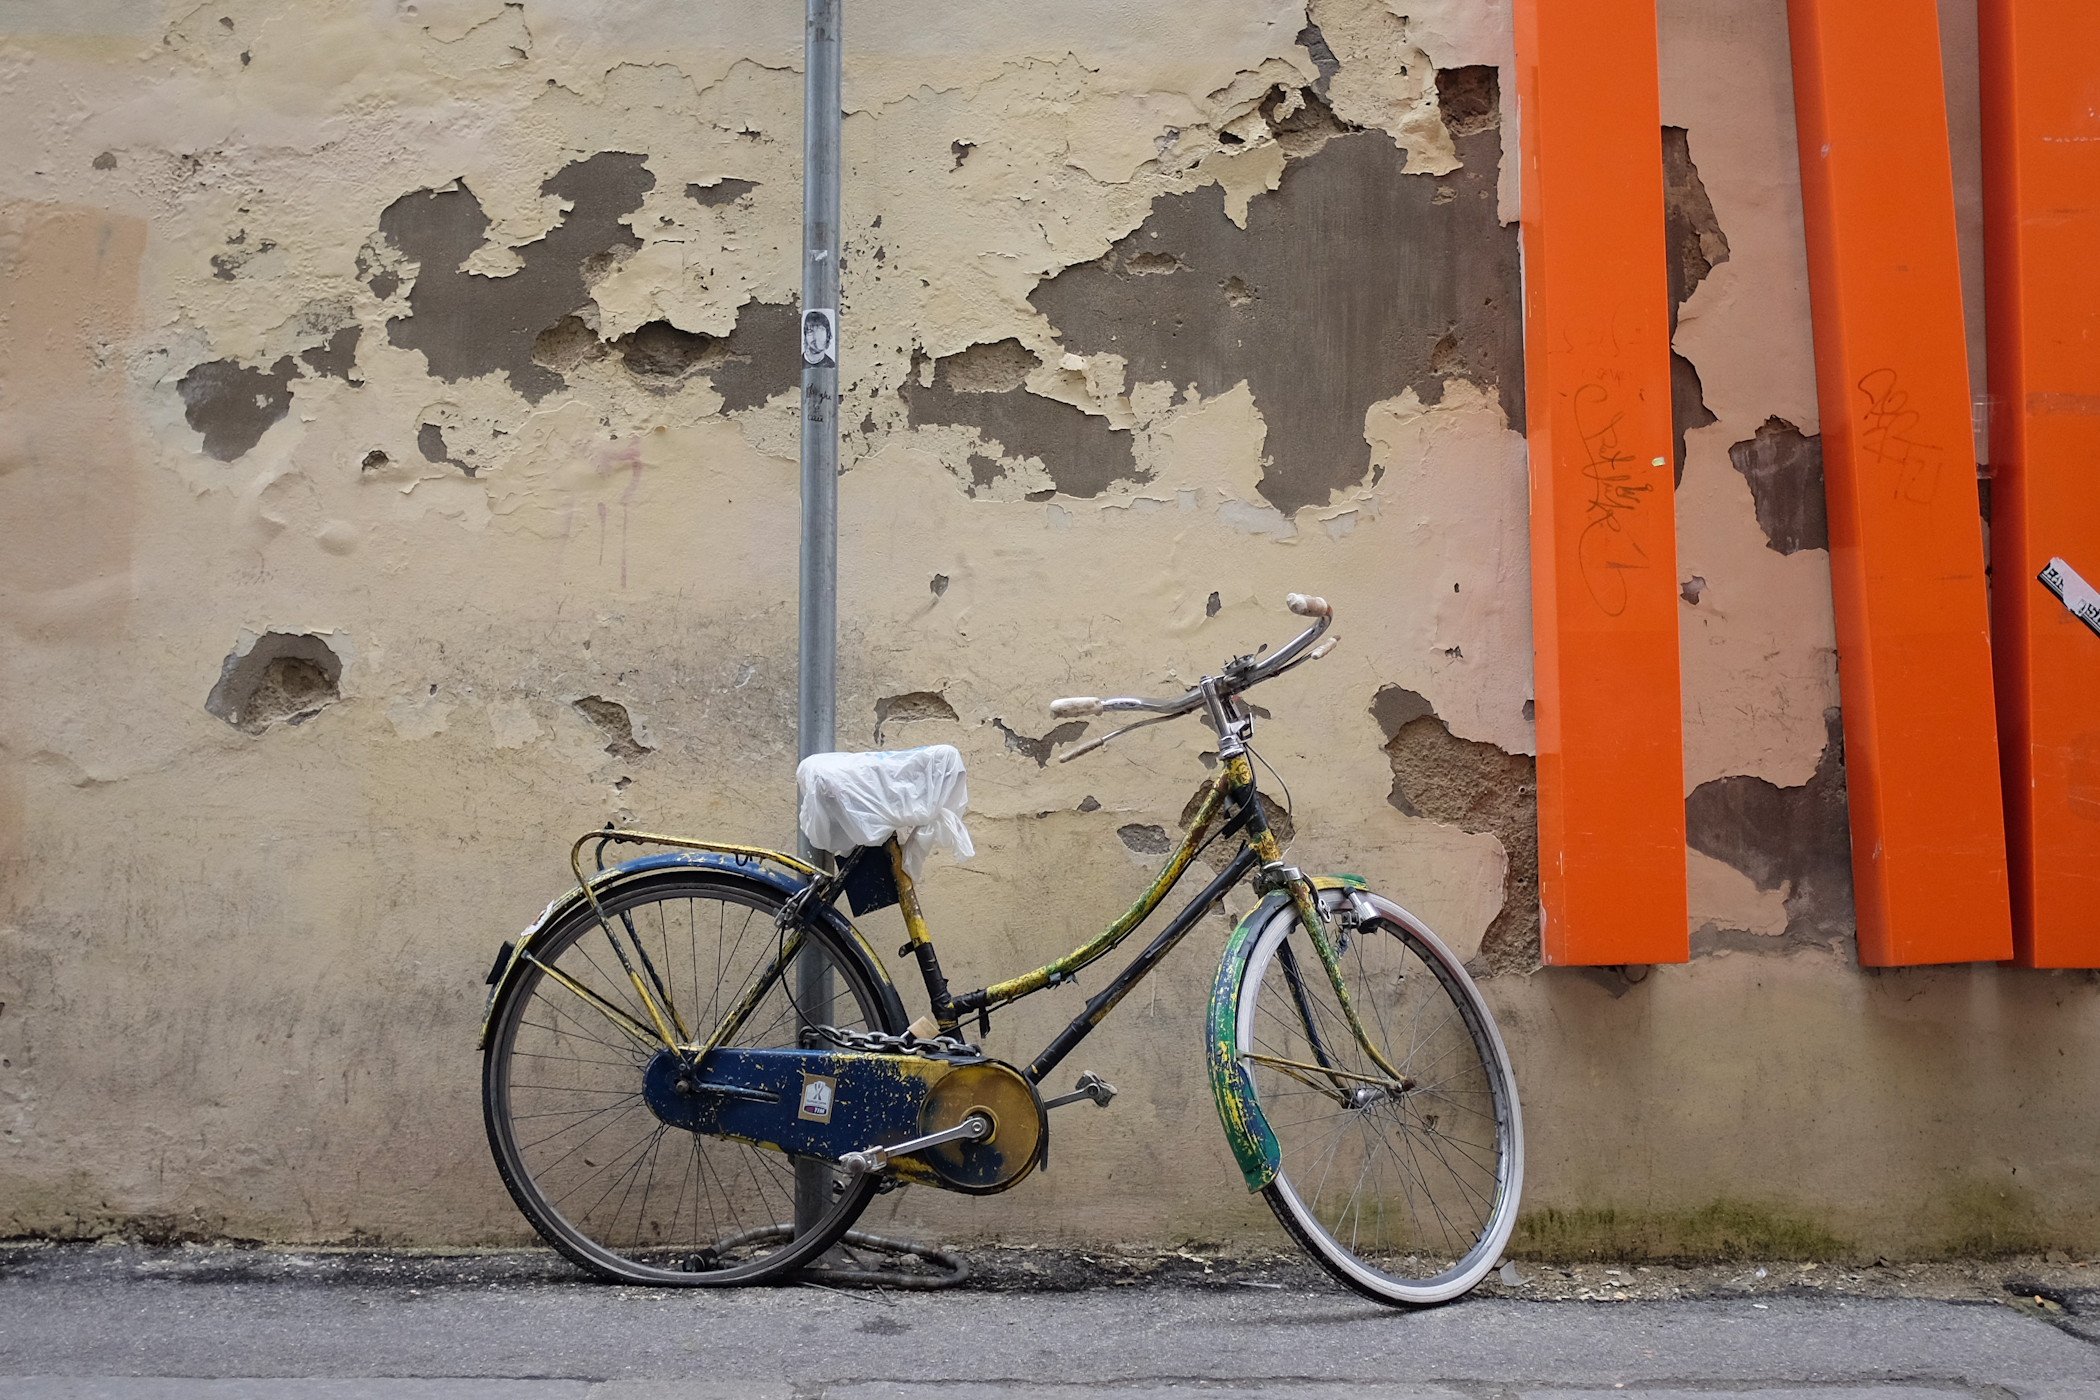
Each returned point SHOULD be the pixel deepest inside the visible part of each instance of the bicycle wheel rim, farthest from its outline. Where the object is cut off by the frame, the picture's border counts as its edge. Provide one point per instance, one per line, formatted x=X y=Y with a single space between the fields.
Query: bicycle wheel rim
x=1406 y=1198
x=598 y=1175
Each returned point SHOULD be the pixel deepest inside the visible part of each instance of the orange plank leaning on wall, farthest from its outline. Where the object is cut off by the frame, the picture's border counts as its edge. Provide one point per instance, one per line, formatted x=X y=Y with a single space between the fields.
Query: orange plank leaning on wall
x=1906 y=547
x=1603 y=521
x=2041 y=156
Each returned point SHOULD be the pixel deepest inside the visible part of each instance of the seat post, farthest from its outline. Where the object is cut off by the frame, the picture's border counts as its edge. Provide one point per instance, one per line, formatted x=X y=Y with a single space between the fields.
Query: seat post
x=921 y=944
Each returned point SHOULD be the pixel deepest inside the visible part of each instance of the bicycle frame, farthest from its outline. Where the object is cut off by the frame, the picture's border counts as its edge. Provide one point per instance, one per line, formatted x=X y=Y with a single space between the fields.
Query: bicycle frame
x=1233 y=783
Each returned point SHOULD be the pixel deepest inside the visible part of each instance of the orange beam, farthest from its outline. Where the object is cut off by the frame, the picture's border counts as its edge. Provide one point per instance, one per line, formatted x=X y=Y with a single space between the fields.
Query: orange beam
x=1603 y=522
x=2041 y=149
x=1906 y=553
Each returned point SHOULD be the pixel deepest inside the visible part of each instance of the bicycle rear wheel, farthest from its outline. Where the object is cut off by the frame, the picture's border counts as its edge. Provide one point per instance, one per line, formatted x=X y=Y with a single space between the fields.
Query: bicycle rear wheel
x=596 y=1172
x=1407 y=1195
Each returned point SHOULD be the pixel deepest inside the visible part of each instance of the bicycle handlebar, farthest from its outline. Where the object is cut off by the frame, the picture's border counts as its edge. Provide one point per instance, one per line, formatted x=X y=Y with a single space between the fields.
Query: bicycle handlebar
x=1277 y=662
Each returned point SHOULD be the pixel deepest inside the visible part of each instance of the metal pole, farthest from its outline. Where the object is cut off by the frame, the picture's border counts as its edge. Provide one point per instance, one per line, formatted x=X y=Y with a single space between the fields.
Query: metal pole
x=817 y=678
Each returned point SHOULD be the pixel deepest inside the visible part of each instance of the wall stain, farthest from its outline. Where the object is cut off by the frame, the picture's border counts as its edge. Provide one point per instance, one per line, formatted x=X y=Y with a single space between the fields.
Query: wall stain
x=1474 y=787
x=982 y=388
x=1785 y=470
x=1350 y=282
x=467 y=324
x=1797 y=839
x=1721 y=1229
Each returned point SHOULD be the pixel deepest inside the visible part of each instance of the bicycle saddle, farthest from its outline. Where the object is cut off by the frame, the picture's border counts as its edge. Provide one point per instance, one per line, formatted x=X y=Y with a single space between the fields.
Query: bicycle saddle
x=863 y=799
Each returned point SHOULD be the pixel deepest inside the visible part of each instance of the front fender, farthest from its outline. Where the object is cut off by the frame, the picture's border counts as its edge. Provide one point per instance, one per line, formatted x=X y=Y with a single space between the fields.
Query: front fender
x=1246 y=1127
x=616 y=877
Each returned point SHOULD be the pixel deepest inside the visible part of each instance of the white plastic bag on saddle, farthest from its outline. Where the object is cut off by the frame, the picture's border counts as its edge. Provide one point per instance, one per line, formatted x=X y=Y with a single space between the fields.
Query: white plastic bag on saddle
x=862 y=799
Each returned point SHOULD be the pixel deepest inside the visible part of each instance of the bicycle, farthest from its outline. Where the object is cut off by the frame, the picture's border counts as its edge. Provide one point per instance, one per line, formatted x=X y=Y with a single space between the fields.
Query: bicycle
x=732 y=1132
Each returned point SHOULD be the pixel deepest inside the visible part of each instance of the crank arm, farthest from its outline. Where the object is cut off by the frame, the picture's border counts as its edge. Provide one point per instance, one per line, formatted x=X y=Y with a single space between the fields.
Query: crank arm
x=972 y=1129
x=1090 y=1086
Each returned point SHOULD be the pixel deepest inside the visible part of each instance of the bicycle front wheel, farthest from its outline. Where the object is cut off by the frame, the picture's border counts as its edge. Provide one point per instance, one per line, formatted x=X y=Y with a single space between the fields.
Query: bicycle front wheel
x=599 y=1175
x=1405 y=1192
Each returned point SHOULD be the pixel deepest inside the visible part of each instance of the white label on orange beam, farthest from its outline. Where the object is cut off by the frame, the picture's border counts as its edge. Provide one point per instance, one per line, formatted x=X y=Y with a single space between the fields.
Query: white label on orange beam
x=2074 y=592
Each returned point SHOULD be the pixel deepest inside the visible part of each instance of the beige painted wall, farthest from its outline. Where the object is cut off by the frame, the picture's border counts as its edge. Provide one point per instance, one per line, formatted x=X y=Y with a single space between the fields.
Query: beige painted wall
x=240 y=972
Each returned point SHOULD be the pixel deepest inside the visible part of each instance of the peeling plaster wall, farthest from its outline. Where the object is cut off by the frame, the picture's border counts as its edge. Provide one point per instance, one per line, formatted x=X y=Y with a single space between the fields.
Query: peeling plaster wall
x=397 y=469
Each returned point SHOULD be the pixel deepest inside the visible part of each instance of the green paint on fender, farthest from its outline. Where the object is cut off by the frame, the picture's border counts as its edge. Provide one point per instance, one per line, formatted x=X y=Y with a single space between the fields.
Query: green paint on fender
x=1246 y=1130
x=1246 y=1127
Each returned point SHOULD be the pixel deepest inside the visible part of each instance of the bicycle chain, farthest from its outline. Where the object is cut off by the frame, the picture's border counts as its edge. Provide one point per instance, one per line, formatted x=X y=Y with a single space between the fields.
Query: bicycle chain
x=942 y=1047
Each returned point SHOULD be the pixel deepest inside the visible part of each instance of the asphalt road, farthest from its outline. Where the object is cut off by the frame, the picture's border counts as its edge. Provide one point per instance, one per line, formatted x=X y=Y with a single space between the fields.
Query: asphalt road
x=130 y=1323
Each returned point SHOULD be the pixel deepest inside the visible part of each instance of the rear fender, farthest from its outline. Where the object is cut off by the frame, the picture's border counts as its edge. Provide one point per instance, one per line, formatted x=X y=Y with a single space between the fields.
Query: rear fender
x=615 y=879
x=1246 y=1127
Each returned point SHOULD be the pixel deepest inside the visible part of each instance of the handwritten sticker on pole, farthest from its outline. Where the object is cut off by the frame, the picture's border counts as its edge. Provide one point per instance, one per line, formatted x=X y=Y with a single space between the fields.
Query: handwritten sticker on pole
x=2074 y=592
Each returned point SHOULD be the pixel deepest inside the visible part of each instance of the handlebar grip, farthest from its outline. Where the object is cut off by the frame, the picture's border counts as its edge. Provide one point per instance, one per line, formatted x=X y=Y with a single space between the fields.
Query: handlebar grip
x=1323 y=648
x=1075 y=706
x=1306 y=606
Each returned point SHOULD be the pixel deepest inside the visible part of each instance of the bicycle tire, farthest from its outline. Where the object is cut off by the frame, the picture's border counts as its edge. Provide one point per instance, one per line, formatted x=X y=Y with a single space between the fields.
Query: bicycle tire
x=1409 y=1197
x=600 y=1177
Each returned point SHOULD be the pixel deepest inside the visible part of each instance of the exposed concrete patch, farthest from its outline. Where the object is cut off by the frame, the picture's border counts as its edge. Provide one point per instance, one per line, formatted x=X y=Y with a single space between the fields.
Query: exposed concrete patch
x=1475 y=787
x=1692 y=238
x=227 y=266
x=234 y=404
x=912 y=705
x=721 y=192
x=430 y=441
x=1793 y=839
x=1311 y=40
x=337 y=356
x=1785 y=470
x=1469 y=98
x=1309 y=305
x=754 y=362
x=759 y=357
x=1040 y=749
x=468 y=324
x=283 y=677
x=615 y=724
x=1688 y=409
x=1693 y=246
x=983 y=387
x=1144 y=840
x=659 y=351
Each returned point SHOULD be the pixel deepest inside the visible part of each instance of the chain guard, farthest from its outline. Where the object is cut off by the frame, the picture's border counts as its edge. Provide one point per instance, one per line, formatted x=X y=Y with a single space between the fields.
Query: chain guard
x=868 y=1097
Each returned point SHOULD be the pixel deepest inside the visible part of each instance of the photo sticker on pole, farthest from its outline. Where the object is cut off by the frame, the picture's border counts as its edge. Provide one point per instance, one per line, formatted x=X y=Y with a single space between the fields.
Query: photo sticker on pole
x=2073 y=592
x=820 y=339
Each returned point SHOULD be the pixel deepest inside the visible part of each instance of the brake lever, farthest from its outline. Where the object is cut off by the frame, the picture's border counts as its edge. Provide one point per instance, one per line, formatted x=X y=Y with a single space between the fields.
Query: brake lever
x=1090 y=745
